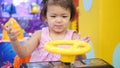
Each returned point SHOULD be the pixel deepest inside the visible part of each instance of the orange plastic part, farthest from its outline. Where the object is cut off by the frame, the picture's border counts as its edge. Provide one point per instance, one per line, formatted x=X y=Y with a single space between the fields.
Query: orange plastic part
x=18 y=61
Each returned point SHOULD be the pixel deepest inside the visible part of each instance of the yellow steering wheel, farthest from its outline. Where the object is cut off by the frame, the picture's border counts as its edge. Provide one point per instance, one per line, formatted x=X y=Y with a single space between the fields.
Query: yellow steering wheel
x=77 y=47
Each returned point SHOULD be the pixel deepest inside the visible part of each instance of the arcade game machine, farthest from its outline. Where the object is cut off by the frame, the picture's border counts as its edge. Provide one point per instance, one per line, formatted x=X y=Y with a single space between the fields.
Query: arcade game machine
x=67 y=59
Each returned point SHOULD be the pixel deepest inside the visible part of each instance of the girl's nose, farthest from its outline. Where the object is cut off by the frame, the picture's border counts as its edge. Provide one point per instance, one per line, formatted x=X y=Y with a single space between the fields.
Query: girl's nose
x=58 y=19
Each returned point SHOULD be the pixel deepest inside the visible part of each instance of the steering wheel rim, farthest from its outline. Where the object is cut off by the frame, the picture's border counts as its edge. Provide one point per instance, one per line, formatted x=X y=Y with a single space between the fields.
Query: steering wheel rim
x=77 y=48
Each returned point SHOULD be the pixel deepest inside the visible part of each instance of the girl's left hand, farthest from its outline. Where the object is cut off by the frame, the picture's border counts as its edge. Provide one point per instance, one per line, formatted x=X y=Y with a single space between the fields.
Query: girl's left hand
x=86 y=38
x=77 y=36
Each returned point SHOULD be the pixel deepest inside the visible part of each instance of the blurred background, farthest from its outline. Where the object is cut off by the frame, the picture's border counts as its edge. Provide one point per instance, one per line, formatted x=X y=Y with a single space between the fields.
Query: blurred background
x=98 y=18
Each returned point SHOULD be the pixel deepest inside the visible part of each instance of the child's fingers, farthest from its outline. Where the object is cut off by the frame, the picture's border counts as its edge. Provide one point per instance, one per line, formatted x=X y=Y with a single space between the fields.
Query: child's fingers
x=86 y=38
x=14 y=34
x=76 y=36
x=8 y=28
x=17 y=34
x=5 y=28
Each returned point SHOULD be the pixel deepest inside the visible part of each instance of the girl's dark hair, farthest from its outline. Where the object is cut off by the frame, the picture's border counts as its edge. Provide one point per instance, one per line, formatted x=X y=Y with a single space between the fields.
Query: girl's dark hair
x=68 y=4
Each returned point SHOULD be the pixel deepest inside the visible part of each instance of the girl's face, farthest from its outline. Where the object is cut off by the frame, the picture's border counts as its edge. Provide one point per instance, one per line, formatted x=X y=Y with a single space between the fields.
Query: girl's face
x=57 y=18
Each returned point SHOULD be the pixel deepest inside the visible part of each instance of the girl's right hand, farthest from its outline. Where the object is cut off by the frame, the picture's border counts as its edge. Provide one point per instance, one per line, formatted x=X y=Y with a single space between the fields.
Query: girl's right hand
x=13 y=34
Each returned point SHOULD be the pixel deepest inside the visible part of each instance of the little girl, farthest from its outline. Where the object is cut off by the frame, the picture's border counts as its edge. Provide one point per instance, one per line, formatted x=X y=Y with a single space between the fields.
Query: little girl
x=57 y=14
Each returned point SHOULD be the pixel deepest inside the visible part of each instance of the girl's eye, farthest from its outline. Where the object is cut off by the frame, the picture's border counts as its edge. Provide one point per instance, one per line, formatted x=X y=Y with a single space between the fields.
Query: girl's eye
x=64 y=16
x=53 y=16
